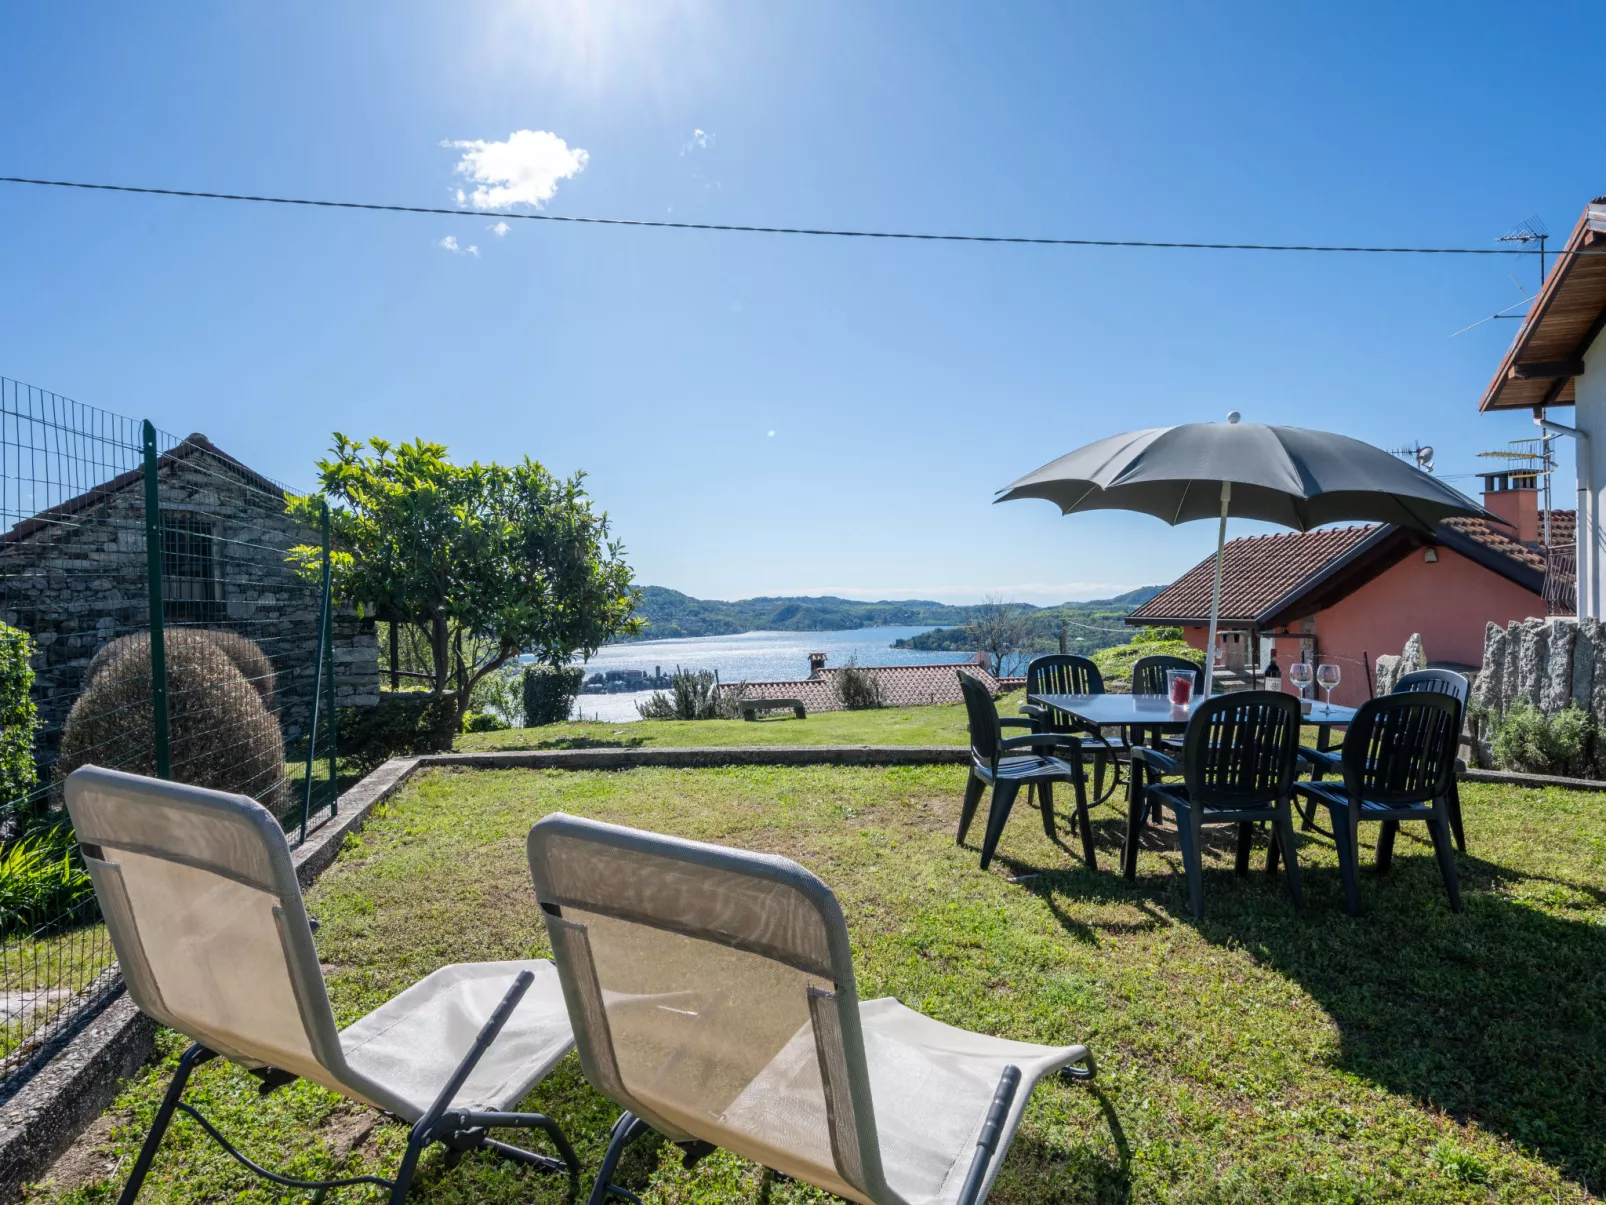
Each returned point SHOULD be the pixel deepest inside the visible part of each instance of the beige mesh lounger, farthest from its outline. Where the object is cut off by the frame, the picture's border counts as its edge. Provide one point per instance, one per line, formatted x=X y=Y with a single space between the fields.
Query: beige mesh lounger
x=206 y=916
x=712 y=997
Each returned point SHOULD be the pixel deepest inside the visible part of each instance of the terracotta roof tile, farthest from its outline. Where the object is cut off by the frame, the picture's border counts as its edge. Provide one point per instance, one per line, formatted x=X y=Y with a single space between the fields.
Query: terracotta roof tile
x=1257 y=571
x=901 y=686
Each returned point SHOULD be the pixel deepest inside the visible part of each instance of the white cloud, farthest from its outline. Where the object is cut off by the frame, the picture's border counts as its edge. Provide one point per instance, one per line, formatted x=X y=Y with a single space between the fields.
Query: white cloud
x=450 y=243
x=700 y=140
x=524 y=170
x=500 y=229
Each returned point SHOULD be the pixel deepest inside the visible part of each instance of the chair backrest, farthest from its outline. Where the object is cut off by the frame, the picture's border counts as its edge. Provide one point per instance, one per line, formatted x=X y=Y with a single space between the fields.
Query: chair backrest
x=982 y=713
x=1063 y=674
x=1445 y=681
x=205 y=913
x=711 y=992
x=1148 y=674
x=1400 y=748
x=1241 y=748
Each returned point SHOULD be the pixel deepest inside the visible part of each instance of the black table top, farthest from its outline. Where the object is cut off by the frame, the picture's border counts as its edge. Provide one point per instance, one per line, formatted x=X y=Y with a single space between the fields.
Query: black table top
x=1156 y=711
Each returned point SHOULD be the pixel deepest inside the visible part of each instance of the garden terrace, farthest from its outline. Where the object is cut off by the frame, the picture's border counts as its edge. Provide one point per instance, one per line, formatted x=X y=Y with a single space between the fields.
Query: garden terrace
x=1259 y=1055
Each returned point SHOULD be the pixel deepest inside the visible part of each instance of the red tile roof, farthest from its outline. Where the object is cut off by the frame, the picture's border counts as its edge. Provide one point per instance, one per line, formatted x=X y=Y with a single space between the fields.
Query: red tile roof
x=1257 y=572
x=1563 y=533
x=901 y=686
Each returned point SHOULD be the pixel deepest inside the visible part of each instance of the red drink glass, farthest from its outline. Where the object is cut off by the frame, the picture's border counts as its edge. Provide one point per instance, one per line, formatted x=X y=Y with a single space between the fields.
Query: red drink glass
x=1180 y=684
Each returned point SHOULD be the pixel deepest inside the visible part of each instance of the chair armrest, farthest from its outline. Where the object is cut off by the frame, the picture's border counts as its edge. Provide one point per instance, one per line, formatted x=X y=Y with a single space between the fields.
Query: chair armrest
x=1159 y=763
x=1043 y=740
x=1034 y=710
x=992 y=1129
x=1010 y=722
x=1322 y=759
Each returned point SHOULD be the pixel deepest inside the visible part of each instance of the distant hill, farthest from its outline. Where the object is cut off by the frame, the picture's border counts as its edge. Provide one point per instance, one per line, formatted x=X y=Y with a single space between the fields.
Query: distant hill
x=669 y=613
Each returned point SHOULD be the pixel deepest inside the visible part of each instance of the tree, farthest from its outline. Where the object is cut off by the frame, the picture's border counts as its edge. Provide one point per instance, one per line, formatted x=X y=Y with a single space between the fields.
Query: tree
x=478 y=562
x=1000 y=629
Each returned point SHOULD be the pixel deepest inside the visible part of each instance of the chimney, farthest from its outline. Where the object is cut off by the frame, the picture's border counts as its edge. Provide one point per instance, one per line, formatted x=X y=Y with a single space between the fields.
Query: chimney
x=816 y=664
x=1515 y=498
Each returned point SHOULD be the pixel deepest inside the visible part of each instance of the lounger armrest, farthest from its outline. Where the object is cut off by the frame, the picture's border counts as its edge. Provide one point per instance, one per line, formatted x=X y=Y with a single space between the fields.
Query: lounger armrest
x=992 y=1130
x=1322 y=759
x=425 y=1127
x=1157 y=762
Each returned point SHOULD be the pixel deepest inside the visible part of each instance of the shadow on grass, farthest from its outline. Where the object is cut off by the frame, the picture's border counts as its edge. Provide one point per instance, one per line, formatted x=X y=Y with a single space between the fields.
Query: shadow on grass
x=1497 y=1015
x=566 y=742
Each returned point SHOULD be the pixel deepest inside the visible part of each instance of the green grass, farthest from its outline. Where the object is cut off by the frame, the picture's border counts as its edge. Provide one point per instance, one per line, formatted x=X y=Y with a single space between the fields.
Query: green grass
x=1410 y=1054
x=937 y=725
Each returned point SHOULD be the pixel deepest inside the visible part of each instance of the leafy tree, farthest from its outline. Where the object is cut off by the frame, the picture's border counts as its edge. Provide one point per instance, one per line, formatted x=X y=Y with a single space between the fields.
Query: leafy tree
x=482 y=562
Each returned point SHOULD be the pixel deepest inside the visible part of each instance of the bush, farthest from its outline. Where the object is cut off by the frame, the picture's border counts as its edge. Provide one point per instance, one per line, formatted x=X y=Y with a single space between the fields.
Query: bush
x=499 y=693
x=549 y=693
x=858 y=688
x=484 y=721
x=245 y=654
x=1115 y=663
x=18 y=721
x=1525 y=739
x=693 y=694
x=404 y=723
x=41 y=880
x=219 y=733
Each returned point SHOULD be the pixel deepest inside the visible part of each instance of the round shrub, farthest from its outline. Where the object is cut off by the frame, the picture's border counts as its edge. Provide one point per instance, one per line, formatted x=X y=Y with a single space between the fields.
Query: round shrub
x=549 y=693
x=219 y=733
x=483 y=721
x=244 y=652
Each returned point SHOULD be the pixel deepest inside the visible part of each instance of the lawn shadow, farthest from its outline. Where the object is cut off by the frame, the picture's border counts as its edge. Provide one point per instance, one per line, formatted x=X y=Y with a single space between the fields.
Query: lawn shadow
x=1496 y=1015
x=568 y=742
x=1080 y=1171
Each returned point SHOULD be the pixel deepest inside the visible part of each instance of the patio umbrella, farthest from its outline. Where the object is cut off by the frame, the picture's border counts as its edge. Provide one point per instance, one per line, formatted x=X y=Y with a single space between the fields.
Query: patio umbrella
x=1288 y=475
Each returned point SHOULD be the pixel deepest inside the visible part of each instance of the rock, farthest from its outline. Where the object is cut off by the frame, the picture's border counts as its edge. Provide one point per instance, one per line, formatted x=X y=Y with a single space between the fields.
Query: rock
x=1487 y=691
x=1586 y=648
x=1388 y=672
x=1533 y=638
x=1557 y=689
x=1413 y=658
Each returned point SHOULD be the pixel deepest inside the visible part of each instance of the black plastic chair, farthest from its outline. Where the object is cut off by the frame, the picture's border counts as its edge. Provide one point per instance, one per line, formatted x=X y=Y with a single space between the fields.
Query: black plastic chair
x=1069 y=674
x=1444 y=681
x=1237 y=767
x=1398 y=763
x=1008 y=763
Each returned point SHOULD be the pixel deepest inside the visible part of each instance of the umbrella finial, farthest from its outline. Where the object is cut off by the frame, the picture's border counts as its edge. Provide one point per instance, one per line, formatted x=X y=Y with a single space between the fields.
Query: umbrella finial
x=1233 y=416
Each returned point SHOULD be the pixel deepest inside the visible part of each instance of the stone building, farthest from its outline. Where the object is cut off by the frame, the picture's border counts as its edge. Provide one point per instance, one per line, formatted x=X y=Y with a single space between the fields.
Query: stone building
x=74 y=576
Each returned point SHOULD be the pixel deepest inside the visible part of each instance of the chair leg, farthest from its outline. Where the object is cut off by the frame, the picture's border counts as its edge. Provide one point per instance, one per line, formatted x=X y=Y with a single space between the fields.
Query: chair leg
x=1079 y=784
x=1454 y=801
x=1004 y=793
x=1136 y=807
x=1274 y=846
x=1283 y=836
x=1347 y=839
x=1385 y=845
x=1045 y=803
x=192 y=1058
x=1190 y=835
x=626 y=1130
x=974 y=787
x=1098 y=774
x=1439 y=827
x=1246 y=838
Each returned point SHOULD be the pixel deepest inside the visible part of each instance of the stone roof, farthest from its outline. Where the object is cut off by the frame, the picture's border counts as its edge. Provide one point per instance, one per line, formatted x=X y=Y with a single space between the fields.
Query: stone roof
x=901 y=686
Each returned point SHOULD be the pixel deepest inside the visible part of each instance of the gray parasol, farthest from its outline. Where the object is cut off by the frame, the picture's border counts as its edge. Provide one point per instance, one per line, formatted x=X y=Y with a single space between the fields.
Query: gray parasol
x=1287 y=475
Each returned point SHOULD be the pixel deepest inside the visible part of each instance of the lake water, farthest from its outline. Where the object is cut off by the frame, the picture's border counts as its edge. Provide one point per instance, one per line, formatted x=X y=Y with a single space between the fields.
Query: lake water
x=749 y=657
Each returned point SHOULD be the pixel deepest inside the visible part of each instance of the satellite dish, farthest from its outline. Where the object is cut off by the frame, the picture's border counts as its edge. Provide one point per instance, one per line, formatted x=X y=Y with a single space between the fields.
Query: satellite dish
x=1424 y=458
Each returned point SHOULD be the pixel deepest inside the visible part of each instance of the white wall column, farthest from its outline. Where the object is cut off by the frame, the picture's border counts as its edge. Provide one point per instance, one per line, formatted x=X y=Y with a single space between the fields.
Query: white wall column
x=1591 y=412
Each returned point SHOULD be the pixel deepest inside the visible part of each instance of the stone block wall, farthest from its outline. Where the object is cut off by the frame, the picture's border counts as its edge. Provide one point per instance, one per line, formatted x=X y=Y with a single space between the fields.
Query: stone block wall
x=1547 y=663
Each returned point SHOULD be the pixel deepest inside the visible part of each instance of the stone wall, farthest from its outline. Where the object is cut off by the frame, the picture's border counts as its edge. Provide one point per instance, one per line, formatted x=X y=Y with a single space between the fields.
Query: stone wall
x=1547 y=663
x=75 y=579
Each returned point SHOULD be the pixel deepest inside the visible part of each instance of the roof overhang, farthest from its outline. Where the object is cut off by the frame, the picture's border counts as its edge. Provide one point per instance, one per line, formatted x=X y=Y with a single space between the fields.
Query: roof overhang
x=1564 y=320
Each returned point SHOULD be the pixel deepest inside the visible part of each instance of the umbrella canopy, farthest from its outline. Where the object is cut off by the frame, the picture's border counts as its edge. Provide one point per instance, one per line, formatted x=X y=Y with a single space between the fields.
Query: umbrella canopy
x=1287 y=475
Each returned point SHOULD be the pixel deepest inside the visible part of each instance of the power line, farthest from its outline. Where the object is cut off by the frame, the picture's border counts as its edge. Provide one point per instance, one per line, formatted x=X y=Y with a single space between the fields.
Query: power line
x=793 y=230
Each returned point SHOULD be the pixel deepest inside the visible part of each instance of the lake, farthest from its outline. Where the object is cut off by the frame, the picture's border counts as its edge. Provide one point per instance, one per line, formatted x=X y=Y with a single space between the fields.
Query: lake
x=748 y=657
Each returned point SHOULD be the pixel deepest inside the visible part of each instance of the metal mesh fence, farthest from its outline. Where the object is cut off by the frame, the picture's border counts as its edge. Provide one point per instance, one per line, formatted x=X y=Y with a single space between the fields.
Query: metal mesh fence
x=170 y=636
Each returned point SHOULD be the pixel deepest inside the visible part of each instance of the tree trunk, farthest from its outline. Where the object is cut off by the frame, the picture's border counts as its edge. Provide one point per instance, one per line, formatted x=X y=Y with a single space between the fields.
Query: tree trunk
x=441 y=650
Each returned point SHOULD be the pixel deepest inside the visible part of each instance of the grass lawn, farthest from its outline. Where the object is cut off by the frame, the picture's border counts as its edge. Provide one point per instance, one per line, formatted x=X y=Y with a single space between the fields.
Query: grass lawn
x=1410 y=1054
x=943 y=724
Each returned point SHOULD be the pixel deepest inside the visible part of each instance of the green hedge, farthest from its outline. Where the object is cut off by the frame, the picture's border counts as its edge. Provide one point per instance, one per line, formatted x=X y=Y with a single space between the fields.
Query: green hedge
x=404 y=723
x=549 y=693
x=18 y=719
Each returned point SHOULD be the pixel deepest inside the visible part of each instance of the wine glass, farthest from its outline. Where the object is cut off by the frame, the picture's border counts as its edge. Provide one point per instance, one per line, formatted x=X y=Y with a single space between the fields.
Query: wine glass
x=1299 y=675
x=1327 y=675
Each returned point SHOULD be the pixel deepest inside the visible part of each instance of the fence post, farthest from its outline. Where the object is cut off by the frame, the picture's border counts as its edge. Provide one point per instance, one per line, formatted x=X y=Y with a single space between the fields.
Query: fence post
x=153 y=575
x=332 y=723
x=317 y=681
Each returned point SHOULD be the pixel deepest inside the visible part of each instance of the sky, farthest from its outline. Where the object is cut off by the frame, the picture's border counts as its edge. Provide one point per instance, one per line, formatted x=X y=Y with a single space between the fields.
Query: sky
x=762 y=414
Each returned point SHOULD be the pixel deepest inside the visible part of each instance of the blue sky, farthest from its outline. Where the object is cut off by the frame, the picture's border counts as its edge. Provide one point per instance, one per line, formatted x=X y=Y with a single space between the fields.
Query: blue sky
x=767 y=415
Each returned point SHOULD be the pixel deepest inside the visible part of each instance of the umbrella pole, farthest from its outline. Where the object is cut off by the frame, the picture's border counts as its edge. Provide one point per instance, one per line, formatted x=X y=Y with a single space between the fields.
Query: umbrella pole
x=1215 y=593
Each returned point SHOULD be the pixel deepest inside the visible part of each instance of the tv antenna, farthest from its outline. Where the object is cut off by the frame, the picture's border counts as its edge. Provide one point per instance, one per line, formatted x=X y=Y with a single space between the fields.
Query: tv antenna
x=1418 y=454
x=1529 y=230
x=1530 y=462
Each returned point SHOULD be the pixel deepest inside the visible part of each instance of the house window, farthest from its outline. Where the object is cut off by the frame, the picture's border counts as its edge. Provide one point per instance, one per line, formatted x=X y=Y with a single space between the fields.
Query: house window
x=191 y=592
